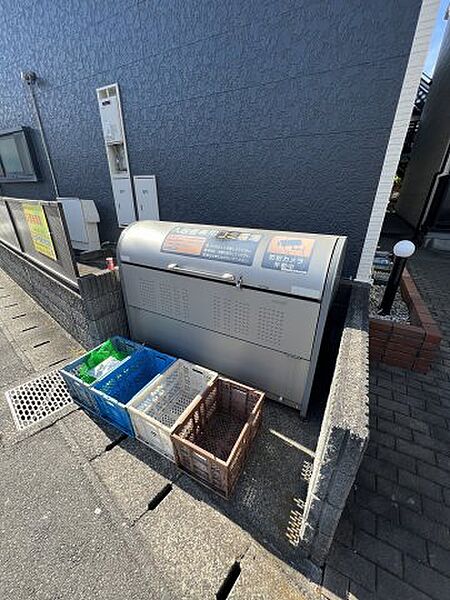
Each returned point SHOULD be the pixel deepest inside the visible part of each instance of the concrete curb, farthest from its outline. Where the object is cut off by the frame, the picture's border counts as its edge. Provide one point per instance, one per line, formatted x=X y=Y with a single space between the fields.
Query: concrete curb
x=344 y=433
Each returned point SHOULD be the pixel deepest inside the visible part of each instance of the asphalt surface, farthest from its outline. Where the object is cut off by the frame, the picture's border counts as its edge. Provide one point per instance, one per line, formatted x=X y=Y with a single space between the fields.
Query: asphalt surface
x=75 y=521
x=59 y=540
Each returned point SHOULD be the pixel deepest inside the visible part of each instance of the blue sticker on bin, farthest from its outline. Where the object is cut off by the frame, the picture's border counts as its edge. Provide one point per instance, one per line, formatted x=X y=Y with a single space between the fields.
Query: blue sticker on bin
x=223 y=245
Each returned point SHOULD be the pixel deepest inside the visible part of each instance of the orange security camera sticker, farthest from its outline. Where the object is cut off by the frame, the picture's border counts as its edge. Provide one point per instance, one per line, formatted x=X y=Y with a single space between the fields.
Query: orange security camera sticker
x=288 y=254
x=291 y=246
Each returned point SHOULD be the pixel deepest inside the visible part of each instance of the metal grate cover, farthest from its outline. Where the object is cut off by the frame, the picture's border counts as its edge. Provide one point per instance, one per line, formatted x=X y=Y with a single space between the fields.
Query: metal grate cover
x=35 y=400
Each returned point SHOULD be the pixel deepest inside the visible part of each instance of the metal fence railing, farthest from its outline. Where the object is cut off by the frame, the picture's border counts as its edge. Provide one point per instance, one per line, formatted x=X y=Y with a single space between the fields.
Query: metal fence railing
x=7 y=231
x=38 y=230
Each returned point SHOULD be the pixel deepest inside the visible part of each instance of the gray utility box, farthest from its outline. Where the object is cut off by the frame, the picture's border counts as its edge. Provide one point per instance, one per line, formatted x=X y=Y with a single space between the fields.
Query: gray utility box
x=248 y=303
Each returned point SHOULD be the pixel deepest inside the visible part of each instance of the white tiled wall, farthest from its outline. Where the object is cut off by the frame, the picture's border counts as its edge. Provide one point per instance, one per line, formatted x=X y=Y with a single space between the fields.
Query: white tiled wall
x=419 y=49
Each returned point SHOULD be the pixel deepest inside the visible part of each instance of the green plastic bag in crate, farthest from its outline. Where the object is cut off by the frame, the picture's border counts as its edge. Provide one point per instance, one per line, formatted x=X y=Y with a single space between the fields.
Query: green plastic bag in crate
x=96 y=357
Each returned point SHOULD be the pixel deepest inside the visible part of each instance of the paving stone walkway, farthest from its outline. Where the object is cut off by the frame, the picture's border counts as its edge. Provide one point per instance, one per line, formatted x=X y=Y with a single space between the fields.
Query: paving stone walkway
x=393 y=541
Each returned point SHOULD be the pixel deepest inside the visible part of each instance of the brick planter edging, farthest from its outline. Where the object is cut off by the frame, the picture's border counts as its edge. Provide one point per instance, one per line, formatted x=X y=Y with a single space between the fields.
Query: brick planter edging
x=412 y=347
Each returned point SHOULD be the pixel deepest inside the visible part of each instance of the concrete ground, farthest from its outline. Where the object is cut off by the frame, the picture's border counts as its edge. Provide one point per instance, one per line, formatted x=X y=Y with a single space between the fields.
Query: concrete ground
x=393 y=541
x=80 y=516
x=75 y=520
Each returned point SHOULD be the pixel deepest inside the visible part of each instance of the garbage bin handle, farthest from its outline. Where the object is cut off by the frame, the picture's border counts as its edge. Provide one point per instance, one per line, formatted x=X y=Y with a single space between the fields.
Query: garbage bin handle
x=209 y=274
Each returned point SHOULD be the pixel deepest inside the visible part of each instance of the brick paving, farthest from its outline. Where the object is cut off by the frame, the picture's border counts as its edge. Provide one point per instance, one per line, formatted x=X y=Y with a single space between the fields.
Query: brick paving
x=393 y=541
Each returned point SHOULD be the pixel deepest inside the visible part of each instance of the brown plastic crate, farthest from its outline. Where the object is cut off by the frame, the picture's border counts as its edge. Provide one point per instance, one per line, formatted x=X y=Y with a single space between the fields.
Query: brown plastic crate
x=213 y=440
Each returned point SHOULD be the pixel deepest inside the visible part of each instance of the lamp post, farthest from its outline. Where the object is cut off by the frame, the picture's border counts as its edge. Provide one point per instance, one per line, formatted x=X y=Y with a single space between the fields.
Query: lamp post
x=402 y=251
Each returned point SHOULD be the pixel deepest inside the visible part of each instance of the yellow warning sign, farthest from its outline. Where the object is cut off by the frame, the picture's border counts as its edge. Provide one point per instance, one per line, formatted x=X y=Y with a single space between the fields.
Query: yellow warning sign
x=39 y=230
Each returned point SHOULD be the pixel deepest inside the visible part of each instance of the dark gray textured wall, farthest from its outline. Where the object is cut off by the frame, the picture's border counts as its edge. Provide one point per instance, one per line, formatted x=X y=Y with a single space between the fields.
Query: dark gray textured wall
x=431 y=140
x=261 y=113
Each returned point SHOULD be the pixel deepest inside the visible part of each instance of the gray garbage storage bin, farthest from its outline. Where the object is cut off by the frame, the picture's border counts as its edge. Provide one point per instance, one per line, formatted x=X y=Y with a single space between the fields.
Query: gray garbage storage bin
x=248 y=303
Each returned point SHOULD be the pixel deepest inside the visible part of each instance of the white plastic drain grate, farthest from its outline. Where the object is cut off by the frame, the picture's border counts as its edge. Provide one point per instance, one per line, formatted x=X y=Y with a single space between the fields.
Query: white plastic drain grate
x=37 y=399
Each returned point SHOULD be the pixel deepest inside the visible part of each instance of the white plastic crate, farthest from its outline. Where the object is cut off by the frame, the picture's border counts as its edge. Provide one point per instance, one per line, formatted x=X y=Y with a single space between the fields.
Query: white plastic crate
x=157 y=409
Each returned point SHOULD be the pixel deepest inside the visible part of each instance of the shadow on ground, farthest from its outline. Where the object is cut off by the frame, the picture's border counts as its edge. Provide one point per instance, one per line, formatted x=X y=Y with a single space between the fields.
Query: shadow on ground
x=269 y=496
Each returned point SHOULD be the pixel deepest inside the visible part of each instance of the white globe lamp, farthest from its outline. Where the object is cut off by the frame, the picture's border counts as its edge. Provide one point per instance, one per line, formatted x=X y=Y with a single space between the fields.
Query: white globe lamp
x=402 y=251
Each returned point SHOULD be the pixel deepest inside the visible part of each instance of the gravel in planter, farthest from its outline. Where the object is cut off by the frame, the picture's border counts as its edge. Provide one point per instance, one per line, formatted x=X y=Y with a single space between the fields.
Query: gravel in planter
x=399 y=311
x=381 y=276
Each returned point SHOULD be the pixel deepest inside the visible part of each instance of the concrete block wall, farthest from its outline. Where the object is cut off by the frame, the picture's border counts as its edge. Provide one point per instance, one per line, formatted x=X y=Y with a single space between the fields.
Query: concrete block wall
x=90 y=314
x=103 y=305
x=344 y=433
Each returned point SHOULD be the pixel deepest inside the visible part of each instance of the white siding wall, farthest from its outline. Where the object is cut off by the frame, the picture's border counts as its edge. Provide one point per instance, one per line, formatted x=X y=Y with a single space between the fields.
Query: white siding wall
x=419 y=49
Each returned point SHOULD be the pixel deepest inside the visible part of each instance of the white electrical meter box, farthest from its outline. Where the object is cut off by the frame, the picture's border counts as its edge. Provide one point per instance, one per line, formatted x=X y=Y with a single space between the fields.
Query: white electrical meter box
x=146 y=197
x=249 y=303
x=82 y=218
x=116 y=152
x=123 y=200
x=111 y=120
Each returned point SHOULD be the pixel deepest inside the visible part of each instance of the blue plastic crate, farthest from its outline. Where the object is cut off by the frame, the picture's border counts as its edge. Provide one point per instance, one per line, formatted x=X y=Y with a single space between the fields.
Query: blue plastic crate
x=117 y=388
x=81 y=391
